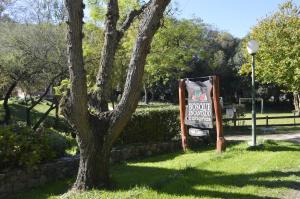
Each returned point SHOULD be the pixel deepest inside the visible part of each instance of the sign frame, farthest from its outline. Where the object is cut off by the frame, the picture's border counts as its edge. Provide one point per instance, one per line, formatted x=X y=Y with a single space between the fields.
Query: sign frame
x=220 y=145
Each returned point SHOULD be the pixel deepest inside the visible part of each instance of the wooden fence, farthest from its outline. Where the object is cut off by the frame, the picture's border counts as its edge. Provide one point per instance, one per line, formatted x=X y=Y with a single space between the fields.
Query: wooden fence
x=267 y=119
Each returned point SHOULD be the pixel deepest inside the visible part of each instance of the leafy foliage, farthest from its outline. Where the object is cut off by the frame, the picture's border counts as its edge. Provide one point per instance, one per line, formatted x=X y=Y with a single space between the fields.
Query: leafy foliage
x=22 y=147
x=155 y=123
x=31 y=54
x=278 y=58
x=173 y=47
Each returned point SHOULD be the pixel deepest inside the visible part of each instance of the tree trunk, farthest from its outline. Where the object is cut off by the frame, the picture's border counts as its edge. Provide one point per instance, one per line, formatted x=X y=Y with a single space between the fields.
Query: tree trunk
x=56 y=111
x=96 y=132
x=296 y=103
x=146 y=94
x=5 y=103
x=93 y=166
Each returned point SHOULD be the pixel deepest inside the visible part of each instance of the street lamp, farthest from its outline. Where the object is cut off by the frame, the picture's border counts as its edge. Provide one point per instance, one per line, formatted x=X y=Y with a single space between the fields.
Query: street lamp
x=252 y=48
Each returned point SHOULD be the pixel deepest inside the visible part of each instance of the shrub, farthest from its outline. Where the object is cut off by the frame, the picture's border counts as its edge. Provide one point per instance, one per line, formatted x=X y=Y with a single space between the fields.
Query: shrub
x=152 y=124
x=22 y=147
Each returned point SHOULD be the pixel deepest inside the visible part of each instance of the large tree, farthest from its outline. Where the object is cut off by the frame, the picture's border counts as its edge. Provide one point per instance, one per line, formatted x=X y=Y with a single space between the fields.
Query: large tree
x=278 y=59
x=97 y=128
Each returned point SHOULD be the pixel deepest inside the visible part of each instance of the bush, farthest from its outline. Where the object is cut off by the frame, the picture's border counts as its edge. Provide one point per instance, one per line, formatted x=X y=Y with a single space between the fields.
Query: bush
x=22 y=147
x=152 y=124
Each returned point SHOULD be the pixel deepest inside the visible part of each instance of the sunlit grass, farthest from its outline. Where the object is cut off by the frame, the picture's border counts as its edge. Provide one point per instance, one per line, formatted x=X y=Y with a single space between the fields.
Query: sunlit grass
x=267 y=172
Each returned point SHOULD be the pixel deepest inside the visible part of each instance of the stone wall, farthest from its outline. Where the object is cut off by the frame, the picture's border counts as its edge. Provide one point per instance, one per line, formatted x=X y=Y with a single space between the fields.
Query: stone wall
x=14 y=181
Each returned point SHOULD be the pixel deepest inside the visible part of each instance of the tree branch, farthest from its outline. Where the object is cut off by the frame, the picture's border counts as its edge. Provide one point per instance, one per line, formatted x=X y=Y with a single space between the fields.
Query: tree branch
x=128 y=103
x=107 y=57
x=129 y=19
x=78 y=97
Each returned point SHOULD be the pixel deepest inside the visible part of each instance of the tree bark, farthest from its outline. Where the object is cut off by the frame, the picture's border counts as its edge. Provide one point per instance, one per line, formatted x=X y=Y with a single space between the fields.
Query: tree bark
x=75 y=105
x=93 y=165
x=96 y=132
x=7 y=114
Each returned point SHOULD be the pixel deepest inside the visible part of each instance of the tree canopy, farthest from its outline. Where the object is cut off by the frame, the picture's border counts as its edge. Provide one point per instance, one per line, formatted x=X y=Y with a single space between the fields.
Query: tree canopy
x=278 y=58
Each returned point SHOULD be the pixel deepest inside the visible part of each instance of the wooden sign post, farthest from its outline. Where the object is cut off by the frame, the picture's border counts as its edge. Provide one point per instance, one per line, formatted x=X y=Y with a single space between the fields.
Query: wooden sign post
x=220 y=145
x=182 y=113
x=218 y=113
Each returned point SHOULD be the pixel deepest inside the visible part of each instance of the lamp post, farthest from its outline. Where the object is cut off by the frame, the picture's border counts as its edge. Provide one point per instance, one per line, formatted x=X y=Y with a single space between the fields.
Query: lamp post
x=252 y=48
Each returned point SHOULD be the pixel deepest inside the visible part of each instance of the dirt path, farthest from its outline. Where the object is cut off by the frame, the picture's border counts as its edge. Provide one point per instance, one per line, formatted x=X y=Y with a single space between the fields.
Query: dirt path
x=294 y=194
x=294 y=137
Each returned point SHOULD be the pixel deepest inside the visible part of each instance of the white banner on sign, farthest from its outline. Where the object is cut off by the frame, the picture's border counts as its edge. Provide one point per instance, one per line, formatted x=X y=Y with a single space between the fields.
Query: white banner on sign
x=198 y=132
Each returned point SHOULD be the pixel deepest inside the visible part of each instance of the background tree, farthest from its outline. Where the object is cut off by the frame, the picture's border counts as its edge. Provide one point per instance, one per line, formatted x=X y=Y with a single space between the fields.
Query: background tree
x=31 y=55
x=173 y=49
x=219 y=56
x=278 y=58
x=32 y=47
x=37 y=11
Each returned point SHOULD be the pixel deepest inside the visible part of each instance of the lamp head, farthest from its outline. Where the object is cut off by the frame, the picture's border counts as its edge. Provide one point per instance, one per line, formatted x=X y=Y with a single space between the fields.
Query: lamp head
x=252 y=47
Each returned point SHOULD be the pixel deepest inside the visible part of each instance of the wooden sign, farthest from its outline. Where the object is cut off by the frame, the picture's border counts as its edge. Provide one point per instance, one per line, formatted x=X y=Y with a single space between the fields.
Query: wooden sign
x=198 y=113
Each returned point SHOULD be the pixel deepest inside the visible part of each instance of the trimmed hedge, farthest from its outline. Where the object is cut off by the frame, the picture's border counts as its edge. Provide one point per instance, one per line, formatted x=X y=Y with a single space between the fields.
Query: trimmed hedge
x=154 y=123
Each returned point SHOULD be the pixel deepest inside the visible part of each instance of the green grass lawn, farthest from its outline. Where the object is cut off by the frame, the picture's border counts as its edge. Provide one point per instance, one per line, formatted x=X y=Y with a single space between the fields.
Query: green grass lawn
x=269 y=172
x=18 y=111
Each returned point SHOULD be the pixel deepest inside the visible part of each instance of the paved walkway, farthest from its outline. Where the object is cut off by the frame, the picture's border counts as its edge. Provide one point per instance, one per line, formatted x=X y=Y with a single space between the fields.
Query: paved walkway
x=294 y=137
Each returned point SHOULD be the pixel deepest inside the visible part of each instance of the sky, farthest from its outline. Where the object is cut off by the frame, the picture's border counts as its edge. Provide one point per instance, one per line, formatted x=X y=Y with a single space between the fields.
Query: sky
x=233 y=16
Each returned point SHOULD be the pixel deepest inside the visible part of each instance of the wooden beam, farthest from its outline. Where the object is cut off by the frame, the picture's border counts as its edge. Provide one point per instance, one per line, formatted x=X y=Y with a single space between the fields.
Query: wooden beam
x=182 y=114
x=218 y=113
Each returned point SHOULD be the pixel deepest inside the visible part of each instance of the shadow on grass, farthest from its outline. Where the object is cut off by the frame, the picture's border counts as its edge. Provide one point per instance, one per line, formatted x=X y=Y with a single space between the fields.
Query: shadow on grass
x=273 y=146
x=184 y=182
x=194 y=148
x=188 y=181
x=19 y=113
x=44 y=192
